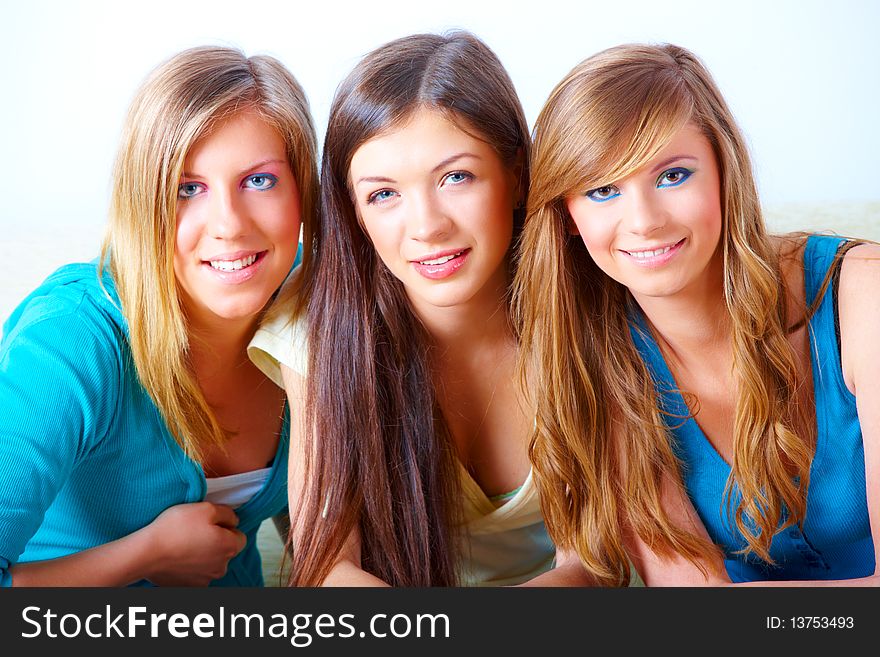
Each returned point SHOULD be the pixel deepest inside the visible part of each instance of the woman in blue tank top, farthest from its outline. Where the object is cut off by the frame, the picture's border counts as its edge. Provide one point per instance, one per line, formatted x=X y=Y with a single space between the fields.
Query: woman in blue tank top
x=707 y=398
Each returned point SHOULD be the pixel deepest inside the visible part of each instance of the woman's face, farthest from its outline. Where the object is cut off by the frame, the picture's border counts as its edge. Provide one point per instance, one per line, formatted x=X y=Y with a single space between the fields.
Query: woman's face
x=238 y=219
x=437 y=204
x=657 y=230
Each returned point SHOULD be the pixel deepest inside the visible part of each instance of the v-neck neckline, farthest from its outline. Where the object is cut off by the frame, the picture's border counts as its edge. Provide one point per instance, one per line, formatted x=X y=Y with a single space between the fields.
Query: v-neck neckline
x=672 y=401
x=484 y=503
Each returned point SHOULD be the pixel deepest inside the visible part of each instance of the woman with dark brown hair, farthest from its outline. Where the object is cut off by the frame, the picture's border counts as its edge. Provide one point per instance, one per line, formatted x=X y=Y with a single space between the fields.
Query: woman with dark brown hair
x=409 y=463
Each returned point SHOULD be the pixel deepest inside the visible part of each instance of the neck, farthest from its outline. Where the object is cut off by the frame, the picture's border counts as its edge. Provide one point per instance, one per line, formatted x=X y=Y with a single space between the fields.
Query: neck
x=467 y=327
x=695 y=319
x=219 y=345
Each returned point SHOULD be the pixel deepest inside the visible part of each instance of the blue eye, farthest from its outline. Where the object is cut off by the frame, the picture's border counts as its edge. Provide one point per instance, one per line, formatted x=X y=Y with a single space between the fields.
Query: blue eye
x=457 y=177
x=673 y=177
x=189 y=189
x=602 y=194
x=380 y=196
x=261 y=181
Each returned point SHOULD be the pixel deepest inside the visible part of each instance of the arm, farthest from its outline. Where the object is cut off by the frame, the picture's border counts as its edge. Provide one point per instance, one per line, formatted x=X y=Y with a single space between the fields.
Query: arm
x=569 y=571
x=859 y=314
x=187 y=545
x=674 y=570
x=347 y=570
x=58 y=392
x=657 y=570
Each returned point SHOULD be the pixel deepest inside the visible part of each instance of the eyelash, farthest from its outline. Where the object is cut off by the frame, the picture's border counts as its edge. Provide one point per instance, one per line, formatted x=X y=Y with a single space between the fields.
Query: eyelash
x=183 y=197
x=268 y=176
x=466 y=176
x=685 y=172
x=373 y=198
x=273 y=179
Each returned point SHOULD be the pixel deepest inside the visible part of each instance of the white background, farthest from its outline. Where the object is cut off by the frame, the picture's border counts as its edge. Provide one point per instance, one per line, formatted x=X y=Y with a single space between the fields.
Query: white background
x=803 y=79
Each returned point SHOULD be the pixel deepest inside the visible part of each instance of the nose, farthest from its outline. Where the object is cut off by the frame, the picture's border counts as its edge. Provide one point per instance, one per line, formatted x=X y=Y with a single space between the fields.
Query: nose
x=227 y=216
x=428 y=220
x=646 y=213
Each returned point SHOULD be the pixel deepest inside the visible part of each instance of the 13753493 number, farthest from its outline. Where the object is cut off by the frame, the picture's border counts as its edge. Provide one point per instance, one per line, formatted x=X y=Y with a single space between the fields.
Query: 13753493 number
x=810 y=622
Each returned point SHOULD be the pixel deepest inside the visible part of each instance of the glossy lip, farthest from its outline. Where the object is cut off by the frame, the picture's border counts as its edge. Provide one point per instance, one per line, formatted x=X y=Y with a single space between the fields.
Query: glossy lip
x=435 y=272
x=232 y=255
x=655 y=261
x=238 y=276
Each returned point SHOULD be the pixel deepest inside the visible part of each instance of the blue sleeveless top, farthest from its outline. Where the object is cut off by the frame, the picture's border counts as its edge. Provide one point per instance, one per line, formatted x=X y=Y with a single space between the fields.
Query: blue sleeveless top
x=836 y=539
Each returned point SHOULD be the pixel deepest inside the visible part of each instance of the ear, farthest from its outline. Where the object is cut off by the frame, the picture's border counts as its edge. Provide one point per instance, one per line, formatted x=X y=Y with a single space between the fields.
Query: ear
x=519 y=194
x=570 y=226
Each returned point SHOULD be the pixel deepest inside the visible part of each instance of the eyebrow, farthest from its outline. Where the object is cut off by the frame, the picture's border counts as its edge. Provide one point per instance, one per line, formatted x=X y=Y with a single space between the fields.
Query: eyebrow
x=445 y=163
x=670 y=160
x=247 y=169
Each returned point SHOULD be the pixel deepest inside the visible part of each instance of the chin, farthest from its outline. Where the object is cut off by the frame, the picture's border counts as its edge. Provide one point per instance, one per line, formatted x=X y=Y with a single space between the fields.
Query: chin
x=236 y=310
x=657 y=289
x=437 y=300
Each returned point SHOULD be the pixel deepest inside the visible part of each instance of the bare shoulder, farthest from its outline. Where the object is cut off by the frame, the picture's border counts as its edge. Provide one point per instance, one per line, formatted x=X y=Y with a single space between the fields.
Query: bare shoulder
x=859 y=290
x=859 y=312
x=861 y=264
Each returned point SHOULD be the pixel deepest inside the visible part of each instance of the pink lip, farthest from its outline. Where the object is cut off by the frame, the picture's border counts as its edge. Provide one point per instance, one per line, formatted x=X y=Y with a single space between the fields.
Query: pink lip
x=232 y=255
x=445 y=270
x=237 y=276
x=658 y=260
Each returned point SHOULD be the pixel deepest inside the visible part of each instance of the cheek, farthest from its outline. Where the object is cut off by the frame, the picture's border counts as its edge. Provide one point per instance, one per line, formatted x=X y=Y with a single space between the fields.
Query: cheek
x=283 y=222
x=705 y=213
x=381 y=232
x=596 y=235
x=493 y=216
x=187 y=235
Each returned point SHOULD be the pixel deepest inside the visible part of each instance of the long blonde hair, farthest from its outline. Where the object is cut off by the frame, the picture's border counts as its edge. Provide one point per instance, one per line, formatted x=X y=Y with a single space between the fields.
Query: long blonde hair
x=601 y=448
x=179 y=103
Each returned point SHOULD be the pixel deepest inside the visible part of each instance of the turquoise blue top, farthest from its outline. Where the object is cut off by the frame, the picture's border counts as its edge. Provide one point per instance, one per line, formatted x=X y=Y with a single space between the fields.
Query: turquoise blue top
x=85 y=457
x=836 y=539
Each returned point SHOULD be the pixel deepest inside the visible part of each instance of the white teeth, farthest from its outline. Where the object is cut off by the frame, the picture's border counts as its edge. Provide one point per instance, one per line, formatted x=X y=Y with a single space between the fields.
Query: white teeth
x=641 y=255
x=440 y=261
x=234 y=265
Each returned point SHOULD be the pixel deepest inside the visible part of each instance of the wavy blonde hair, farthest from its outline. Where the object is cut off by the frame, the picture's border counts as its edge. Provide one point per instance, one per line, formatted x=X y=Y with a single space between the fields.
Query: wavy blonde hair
x=600 y=437
x=179 y=103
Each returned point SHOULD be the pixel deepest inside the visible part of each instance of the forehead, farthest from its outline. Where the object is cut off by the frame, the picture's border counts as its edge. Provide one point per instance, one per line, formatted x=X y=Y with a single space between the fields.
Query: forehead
x=689 y=141
x=689 y=138
x=426 y=138
x=244 y=135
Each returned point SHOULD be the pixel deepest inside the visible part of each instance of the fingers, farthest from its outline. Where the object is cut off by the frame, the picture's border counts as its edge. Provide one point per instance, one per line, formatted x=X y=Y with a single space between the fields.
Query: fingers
x=223 y=515
x=232 y=542
x=225 y=518
x=240 y=541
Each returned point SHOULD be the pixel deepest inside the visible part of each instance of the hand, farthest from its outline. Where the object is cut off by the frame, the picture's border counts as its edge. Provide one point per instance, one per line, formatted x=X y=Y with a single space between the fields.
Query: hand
x=192 y=544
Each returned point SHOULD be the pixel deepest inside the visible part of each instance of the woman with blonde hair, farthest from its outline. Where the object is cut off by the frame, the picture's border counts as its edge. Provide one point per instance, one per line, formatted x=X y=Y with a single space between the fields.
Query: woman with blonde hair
x=409 y=463
x=138 y=445
x=706 y=393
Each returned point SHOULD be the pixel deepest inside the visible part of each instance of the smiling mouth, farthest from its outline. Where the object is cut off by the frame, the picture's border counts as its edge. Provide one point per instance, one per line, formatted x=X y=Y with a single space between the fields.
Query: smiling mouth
x=441 y=260
x=235 y=265
x=653 y=253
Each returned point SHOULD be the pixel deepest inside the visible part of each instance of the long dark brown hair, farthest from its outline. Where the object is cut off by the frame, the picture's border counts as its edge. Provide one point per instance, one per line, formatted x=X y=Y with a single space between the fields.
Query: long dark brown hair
x=379 y=456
